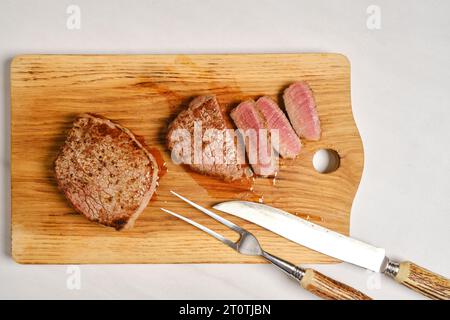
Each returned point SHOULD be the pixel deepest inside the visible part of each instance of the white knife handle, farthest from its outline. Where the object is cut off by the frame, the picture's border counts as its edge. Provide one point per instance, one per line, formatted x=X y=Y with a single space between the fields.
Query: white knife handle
x=330 y=289
x=420 y=279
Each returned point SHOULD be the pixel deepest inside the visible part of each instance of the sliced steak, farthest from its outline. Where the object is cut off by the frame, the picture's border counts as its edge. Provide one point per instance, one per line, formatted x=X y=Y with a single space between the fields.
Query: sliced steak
x=289 y=144
x=301 y=109
x=202 y=138
x=256 y=137
x=105 y=172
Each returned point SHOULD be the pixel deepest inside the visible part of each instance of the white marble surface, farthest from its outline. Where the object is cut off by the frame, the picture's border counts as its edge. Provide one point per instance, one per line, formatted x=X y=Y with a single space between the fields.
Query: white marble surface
x=400 y=96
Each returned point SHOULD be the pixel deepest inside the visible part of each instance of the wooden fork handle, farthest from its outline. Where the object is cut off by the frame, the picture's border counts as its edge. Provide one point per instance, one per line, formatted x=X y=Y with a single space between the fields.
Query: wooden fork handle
x=420 y=280
x=327 y=288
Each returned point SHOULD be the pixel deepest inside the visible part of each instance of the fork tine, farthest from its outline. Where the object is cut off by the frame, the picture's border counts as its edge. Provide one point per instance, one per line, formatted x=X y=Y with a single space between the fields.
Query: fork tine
x=216 y=217
x=203 y=228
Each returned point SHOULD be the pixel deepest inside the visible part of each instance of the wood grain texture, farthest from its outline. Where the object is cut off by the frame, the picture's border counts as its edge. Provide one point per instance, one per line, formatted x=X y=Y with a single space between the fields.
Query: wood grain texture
x=143 y=93
x=423 y=281
x=329 y=289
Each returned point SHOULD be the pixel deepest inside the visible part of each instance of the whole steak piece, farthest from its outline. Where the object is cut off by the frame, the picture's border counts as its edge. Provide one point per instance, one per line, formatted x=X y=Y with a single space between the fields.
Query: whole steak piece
x=105 y=172
x=203 y=138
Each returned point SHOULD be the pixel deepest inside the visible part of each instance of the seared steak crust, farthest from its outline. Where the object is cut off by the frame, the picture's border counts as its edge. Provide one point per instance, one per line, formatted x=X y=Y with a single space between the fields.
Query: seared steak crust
x=105 y=172
x=229 y=164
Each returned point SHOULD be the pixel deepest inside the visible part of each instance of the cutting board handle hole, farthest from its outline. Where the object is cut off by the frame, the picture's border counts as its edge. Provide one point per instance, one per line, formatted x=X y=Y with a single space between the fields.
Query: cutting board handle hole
x=326 y=160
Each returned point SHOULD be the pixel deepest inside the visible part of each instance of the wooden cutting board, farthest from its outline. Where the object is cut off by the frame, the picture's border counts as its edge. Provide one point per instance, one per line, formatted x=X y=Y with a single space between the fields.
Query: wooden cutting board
x=143 y=93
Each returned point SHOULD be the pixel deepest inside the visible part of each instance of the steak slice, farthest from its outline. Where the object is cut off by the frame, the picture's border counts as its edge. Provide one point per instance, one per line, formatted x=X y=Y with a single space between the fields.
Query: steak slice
x=301 y=109
x=289 y=144
x=256 y=136
x=105 y=172
x=203 y=138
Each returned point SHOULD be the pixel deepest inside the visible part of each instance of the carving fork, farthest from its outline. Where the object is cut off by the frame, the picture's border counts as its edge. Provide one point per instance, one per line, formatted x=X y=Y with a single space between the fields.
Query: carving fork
x=310 y=279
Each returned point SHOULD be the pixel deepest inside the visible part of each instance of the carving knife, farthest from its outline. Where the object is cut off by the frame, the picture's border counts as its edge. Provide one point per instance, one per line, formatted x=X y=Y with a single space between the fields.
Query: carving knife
x=339 y=246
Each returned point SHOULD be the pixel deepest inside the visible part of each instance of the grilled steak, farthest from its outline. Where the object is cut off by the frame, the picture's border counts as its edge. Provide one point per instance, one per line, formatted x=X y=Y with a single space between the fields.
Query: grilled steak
x=257 y=138
x=289 y=144
x=301 y=109
x=105 y=172
x=202 y=138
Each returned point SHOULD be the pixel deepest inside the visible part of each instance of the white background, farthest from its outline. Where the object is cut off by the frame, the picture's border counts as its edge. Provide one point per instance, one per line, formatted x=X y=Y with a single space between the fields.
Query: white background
x=400 y=97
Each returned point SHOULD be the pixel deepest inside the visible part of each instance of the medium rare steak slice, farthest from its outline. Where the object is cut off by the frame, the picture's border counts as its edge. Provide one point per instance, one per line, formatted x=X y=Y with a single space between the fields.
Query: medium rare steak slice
x=301 y=109
x=202 y=138
x=289 y=144
x=105 y=172
x=256 y=137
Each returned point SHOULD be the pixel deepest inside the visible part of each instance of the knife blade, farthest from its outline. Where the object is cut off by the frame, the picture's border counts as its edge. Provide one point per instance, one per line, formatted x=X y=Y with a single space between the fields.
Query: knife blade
x=338 y=246
x=308 y=234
